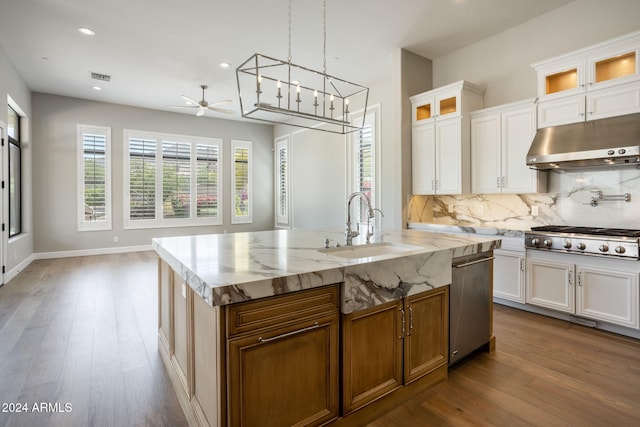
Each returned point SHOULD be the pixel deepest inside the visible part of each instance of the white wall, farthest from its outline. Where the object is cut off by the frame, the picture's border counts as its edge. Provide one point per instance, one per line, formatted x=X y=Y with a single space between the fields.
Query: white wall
x=54 y=170
x=19 y=248
x=501 y=63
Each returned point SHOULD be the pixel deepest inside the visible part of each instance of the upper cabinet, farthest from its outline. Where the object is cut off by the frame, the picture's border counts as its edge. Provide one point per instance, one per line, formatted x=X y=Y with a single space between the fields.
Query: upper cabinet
x=500 y=139
x=441 y=138
x=593 y=83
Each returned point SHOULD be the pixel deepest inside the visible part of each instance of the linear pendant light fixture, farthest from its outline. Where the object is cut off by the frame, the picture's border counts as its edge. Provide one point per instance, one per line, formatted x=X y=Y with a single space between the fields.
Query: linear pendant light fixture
x=279 y=91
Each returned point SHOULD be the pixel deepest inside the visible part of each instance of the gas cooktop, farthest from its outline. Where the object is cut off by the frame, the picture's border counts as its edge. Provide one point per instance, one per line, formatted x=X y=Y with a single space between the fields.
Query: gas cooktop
x=616 y=242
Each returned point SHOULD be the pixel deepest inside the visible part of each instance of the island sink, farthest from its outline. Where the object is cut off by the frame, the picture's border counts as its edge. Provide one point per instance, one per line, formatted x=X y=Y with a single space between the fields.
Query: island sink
x=368 y=250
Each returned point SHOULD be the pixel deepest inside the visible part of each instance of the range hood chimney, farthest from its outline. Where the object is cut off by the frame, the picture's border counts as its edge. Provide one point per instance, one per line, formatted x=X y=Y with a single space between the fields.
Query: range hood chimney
x=597 y=143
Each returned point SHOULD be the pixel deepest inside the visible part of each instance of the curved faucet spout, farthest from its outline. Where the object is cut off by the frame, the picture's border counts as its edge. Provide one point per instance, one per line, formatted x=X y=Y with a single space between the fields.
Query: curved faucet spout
x=350 y=234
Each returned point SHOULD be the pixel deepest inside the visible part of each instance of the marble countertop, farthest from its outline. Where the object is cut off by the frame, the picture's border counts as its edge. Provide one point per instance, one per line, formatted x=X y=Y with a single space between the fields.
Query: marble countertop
x=229 y=268
x=466 y=228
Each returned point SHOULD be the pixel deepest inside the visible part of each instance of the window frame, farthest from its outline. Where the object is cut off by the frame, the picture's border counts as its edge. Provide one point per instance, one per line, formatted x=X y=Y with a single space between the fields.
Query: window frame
x=373 y=115
x=14 y=142
x=248 y=218
x=159 y=221
x=83 y=224
x=282 y=219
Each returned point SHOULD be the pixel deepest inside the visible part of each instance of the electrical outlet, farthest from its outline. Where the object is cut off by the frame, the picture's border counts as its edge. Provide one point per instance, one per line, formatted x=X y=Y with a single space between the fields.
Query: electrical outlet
x=450 y=207
x=534 y=210
x=115 y=239
x=184 y=290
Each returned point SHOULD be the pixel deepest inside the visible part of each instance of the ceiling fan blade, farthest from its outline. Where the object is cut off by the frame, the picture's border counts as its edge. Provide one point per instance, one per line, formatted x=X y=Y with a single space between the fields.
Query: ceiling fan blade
x=220 y=110
x=182 y=106
x=189 y=100
x=200 y=112
x=221 y=102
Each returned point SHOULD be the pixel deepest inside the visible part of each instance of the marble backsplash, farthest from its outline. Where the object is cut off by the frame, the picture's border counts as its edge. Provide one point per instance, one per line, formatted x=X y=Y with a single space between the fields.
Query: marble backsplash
x=568 y=201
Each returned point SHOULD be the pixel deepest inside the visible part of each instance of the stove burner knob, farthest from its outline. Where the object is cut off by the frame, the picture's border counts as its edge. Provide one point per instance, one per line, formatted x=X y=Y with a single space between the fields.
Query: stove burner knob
x=622 y=151
x=620 y=250
x=604 y=248
x=582 y=246
x=547 y=242
x=535 y=241
x=567 y=244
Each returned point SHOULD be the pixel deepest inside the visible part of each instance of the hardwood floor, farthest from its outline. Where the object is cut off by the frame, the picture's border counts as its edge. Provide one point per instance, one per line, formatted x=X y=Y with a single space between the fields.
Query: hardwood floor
x=82 y=331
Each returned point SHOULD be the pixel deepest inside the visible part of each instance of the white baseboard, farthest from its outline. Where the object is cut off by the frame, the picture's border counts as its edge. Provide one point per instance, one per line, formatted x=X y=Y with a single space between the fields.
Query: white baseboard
x=18 y=268
x=89 y=252
x=68 y=254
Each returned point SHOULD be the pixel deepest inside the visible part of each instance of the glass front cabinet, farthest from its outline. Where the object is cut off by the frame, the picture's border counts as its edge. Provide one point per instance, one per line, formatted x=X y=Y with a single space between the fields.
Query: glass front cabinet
x=586 y=84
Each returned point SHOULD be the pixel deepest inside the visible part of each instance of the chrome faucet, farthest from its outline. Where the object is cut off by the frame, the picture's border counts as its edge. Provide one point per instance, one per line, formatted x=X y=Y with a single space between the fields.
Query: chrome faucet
x=350 y=234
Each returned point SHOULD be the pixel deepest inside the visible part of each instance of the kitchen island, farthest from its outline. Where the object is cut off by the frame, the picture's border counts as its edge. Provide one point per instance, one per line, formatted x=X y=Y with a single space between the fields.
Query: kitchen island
x=271 y=328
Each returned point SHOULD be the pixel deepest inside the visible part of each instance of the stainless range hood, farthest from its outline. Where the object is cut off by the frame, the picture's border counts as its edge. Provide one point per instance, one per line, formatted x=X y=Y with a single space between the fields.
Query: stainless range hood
x=597 y=143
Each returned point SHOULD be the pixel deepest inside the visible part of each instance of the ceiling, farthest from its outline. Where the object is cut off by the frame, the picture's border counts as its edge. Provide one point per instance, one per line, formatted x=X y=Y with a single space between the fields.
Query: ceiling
x=157 y=50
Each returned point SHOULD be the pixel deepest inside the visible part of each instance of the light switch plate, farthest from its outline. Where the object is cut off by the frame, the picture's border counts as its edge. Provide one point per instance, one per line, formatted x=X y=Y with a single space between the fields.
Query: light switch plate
x=534 y=210
x=184 y=290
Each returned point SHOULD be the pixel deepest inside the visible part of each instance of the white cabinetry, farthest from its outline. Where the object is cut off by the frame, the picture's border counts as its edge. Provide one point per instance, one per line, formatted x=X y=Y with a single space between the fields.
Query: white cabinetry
x=593 y=83
x=595 y=288
x=441 y=138
x=508 y=270
x=500 y=139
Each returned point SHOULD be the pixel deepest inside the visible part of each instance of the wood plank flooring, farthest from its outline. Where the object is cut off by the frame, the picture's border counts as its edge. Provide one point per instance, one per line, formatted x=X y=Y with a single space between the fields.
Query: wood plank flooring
x=82 y=331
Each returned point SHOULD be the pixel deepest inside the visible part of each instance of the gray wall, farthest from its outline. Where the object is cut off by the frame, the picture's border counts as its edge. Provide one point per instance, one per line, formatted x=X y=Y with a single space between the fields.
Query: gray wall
x=502 y=63
x=54 y=170
x=19 y=248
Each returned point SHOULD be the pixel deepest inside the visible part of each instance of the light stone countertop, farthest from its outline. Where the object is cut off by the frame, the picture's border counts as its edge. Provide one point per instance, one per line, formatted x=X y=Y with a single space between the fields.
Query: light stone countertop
x=229 y=268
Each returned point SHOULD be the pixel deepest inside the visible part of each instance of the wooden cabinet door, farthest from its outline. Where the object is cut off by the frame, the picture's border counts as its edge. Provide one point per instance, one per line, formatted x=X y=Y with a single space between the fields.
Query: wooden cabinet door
x=285 y=376
x=180 y=330
x=608 y=295
x=372 y=354
x=449 y=156
x=550 y=284
x=485 y=161
x=518 y=130
x=426 y=333
x=422 y=159
x=508 y=271
x=615 y=101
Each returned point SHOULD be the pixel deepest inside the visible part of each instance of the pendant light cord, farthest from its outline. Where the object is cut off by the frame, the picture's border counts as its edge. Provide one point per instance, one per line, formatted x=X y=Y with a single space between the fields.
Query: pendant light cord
x=324 y=34
x=289 y=58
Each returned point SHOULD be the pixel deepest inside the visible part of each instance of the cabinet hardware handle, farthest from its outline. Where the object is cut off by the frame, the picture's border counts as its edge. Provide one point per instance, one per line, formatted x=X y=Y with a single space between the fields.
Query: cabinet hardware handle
x=521 y=264
x=579 y=279
x=288 y=334
x=403 y=324
x=570 y=278
x=504 y=182
x=410 y=320
x=473 y=262
x=498 y=182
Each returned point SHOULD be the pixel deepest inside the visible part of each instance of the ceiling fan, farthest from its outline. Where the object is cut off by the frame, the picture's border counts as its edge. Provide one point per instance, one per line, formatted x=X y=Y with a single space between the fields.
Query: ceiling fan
x=203 y=105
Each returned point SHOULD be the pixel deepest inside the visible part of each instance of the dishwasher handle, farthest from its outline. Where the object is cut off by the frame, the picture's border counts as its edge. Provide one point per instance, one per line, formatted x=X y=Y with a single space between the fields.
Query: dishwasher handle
x=477 y=261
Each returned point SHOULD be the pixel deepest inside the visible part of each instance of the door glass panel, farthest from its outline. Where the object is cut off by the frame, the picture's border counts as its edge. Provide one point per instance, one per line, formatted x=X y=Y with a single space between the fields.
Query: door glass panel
x=613 y=68
x=562 y=81
x=423 y=112
x=448 y=105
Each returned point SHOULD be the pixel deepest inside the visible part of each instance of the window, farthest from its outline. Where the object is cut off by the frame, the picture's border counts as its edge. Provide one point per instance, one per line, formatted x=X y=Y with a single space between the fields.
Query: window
x=15 y=173
x=363 y=164
x=241 y=182
x=282 y=181
x=94 y=178
x=171 y=180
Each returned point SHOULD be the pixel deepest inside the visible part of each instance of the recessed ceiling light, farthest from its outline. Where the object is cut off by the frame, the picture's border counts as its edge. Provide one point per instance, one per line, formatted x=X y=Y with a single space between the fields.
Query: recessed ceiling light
x=225 y=65
x=97 y=88
x=87 y=31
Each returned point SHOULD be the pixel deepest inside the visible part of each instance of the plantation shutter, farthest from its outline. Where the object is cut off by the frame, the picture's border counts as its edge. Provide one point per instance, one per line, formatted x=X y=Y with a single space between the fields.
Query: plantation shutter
x=176 y=179
x=283 y=193
x=142 y=178
x=207 y=180
x=95 y=177
x=364 y=168
x=242 y=212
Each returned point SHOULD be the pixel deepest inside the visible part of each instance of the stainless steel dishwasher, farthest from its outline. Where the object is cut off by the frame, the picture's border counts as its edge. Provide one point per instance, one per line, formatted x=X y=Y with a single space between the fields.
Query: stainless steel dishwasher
x=469 y=305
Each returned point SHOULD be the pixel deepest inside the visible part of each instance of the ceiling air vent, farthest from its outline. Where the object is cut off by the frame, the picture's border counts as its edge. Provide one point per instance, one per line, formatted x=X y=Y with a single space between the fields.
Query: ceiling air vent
x=101 y=77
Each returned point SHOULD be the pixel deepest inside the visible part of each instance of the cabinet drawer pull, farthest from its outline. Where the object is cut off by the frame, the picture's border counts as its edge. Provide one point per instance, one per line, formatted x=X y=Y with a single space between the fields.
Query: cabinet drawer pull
x=403 y=324
x=410 y=320
x=288 y=334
